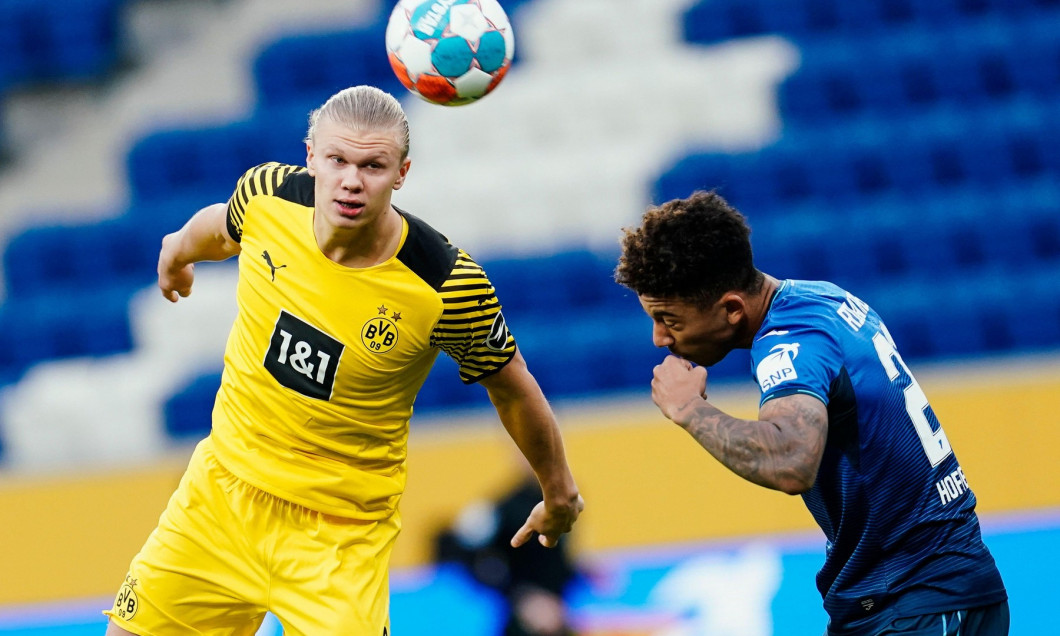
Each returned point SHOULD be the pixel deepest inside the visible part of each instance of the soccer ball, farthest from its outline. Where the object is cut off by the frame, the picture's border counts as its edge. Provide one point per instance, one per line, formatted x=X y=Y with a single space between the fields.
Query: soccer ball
x=450 y=52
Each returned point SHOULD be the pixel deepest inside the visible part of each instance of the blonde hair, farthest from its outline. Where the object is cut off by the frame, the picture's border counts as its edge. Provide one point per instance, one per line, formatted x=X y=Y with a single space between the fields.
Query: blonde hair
x=364 y=108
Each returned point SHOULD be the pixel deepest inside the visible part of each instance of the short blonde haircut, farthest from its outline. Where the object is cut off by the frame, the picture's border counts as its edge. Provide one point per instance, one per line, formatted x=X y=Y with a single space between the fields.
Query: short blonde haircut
x=364 y=108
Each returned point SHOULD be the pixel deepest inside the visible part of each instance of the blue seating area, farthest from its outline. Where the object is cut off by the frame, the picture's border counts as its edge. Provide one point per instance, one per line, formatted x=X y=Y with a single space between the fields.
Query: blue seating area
x=57 y=40
x=982 y=61
x=917 y=166
x=285 y=79
x=710 y=21
x=872 y=157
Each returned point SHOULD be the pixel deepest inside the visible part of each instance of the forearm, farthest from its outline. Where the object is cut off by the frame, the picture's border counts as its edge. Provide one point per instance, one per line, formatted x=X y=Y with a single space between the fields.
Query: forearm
x=532 y=426
x=759 y=451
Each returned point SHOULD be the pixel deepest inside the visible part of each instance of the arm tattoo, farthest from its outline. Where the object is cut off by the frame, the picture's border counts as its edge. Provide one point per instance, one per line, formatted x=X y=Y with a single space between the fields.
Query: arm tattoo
x=783 y=452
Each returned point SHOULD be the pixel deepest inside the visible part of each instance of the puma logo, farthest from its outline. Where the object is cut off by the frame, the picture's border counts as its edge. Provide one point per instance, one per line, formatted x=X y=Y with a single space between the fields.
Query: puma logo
x=273 y=268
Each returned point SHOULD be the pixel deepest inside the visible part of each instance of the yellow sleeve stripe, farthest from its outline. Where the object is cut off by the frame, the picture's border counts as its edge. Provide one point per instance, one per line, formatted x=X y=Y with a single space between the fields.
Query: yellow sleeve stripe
x=469 y=310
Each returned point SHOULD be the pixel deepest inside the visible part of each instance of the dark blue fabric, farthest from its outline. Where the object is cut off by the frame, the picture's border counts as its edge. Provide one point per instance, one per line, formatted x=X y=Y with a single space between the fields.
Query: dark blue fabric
x=902 y=535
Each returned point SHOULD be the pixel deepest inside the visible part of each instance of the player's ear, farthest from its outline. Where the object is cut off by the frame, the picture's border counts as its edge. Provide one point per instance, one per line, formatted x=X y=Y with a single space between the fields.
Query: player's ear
x=402 y=173
x=735 y=307
x=309 y=158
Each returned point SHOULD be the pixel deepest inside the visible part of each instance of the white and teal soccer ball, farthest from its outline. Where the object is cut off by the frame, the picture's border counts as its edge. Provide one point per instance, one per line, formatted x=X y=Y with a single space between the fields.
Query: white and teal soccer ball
x=450 y=52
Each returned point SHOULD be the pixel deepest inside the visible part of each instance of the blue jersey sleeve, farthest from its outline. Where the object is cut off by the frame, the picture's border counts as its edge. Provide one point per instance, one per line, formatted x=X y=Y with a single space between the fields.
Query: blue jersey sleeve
x=791 y=359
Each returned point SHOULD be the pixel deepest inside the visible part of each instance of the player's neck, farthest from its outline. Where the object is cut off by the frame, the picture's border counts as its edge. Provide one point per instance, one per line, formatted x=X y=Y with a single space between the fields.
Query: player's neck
x=365 y=246
x=757 y=308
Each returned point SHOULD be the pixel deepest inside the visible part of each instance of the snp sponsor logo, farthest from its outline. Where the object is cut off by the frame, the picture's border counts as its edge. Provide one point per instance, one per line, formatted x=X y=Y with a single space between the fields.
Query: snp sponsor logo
x=778 y=367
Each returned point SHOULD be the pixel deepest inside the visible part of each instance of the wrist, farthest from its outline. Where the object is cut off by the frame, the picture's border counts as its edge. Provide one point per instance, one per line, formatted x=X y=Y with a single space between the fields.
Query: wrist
x=685 y=413
x=561 y=496
x=172 y=248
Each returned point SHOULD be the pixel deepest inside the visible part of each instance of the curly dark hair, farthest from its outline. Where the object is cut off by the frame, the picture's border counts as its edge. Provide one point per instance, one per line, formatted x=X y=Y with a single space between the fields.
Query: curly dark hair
x=692 y=249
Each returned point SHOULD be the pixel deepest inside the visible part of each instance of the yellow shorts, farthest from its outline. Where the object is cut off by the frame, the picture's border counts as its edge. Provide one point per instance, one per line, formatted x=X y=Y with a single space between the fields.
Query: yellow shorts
x=225 y=552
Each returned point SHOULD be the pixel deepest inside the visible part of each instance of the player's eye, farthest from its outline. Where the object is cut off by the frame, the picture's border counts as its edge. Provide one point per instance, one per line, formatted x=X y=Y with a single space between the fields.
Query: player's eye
x=337 y=159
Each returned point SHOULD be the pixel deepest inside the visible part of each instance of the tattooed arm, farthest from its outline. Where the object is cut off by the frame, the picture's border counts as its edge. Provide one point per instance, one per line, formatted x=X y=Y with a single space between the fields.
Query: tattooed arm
x=780 y=450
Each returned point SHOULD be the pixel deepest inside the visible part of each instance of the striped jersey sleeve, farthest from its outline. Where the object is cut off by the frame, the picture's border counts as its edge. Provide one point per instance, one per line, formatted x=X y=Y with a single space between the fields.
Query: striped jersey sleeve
x=263 y=179
x=472 y=330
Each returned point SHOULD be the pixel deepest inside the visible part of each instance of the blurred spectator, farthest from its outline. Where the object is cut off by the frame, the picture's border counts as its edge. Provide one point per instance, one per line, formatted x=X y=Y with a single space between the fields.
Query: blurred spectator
x=532 y=579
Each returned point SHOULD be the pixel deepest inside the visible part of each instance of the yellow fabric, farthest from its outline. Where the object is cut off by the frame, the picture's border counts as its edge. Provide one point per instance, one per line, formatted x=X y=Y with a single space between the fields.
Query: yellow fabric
x=224 y=552
x=324 y=362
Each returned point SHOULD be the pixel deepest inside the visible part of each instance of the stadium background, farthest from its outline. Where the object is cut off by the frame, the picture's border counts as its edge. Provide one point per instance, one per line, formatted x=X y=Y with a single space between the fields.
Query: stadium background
x=906 y=149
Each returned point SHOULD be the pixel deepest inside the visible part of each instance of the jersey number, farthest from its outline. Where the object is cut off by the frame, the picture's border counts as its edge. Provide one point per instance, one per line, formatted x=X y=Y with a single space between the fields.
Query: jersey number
x=936 y=444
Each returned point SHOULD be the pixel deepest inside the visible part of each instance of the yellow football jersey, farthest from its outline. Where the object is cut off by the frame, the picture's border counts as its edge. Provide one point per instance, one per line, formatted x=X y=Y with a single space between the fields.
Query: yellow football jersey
x=324 y=361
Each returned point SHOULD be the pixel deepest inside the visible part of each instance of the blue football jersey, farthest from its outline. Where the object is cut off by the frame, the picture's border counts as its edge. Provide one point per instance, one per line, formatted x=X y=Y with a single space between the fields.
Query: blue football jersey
x=902 y=534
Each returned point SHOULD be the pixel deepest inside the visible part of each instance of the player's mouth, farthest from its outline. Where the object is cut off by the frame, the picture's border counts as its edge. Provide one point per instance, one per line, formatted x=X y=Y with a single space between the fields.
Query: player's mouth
x=349 y=208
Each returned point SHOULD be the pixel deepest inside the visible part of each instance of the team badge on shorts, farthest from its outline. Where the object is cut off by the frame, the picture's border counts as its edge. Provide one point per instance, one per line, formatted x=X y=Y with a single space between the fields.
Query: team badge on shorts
x=126 y=603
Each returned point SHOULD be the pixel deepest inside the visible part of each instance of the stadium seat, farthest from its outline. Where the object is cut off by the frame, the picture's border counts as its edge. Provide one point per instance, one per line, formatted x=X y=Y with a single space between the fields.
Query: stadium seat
x=209 y=161
x=65 y=324
x=1033 y=316
x=444 y=389
x=188 y=413
x=118 y=252
x=710 y=21
x=46 y=41
x=303 y=71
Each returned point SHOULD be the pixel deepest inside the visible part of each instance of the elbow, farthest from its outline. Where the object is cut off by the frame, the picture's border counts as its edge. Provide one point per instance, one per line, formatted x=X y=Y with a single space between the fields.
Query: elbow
x=796 y=472
x=792 y=487
x=796 y=482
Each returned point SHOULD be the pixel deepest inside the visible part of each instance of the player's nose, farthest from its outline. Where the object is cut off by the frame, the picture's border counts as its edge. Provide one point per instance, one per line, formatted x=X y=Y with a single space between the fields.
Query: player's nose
x=351 y=179
x=660 y=336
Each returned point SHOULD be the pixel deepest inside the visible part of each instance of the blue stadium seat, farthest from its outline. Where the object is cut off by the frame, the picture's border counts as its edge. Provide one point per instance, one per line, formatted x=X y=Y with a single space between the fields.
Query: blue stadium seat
x=305 y=70
x=695 y=171
x=892 y=72
x=444 y=389
x=1033 y=316
x=65 y=324
x=209 y=161
x=188 y=413
x=60 y=258
x=716 y=20
x=45 y=41
x=710 y=21
x=553 y=284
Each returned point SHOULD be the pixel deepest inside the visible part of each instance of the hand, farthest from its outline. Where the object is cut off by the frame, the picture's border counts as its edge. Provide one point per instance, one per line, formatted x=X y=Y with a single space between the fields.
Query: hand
x=174 y=280
x=549 y=523
x=678 y=385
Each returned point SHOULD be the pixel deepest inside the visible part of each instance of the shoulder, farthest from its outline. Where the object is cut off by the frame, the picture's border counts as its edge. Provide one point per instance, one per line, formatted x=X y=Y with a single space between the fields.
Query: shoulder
x=427 y=252
x=798 y=309
x=272 y=179
x=805 y=302
x=292 y=183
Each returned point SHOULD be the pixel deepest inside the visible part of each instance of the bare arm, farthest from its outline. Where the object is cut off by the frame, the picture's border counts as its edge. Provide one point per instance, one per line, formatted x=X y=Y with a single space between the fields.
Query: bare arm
x=782 y=449
x=203 y=238
x=527 y=417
